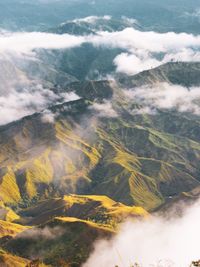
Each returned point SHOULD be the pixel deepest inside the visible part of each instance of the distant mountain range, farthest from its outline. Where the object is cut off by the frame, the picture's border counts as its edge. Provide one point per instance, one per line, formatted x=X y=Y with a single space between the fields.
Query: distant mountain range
x=178 y=16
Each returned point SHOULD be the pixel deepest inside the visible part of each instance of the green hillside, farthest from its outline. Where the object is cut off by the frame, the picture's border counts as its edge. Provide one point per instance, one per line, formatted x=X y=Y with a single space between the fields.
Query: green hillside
x=134 y=159
x=95 y=165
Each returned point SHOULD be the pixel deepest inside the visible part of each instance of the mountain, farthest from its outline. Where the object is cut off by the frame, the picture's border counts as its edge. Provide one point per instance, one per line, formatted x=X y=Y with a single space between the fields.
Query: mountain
x=180 y=73
x=71 y=224
x=86 y=148
x=77 y=240
x=95 y=147
x=41 y=159
x=99 y=209
x=178 y=16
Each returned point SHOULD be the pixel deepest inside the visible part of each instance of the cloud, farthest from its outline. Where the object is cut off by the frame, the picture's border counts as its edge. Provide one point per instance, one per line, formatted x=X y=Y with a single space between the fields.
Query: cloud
x=18 y=104
x=130 y=21
x=92 y=19
x=42 y=233
x=131 y=64
x=26 y=42
x=143 y=50
x=132 y=39
x=104 y=109
x=156 y=241
x=166 y=96
x=48 y=117
x=185 y=54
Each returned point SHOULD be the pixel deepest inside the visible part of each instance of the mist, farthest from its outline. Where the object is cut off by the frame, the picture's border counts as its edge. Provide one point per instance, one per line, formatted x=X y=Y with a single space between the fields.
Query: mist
x=156 y=241
x=166 y=96
x=42 y=233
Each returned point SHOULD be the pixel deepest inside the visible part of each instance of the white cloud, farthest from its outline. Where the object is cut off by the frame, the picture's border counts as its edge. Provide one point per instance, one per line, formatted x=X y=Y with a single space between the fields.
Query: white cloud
x=42 y=233
x=48 y=117
x=144 y=50
x=17 y=104
x=166 y=96
x=104 y=109
x=153 y=242
x=131 y=64
x=92 y=19
x=132 y=39
x=19 y=95
x=26 y=42
x=130 y=21
x=185 y=54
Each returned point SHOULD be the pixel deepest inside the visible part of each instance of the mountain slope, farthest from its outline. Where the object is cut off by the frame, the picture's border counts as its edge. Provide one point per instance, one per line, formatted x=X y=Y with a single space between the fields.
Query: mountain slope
x=99 y=209
x=182 y=73
x=134 y=159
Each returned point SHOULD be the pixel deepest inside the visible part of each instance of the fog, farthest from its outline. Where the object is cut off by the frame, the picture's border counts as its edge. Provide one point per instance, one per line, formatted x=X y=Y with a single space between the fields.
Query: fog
x=154 y=242
x=166 y=96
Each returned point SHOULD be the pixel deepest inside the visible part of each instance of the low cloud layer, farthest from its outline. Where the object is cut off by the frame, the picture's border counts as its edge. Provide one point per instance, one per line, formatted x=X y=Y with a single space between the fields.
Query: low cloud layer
x=166 y=96
x=142 y=50
x=104 y=109
x=155 y=242
x=26 y=42
x=16 y=105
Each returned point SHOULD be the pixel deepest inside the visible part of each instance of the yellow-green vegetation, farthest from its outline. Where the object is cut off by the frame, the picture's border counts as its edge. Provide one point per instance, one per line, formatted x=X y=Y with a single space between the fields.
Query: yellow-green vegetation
x=136 y=159
x=83 y=174
x=7 y=214
x=89 y=223
x=70 y=246
x=10 y=229
x=9 y=192
x=9 y=260
x=96 y=209
x=112 y=162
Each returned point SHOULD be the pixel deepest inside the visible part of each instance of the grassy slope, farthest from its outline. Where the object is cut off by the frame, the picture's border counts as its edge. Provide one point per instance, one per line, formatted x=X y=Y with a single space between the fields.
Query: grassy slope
x=132 y=159
x=72 y=247
x=99 y=209
x=137 y=160
x=10 y=229
x=67 y=228
x=9 y=260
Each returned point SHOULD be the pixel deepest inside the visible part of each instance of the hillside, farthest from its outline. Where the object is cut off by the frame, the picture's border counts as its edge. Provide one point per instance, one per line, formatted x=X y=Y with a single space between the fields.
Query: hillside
x=99 y=209
x=8 y=260
x=182 y=73
x=10 y=229
x=71 y=224
x=55 y=238
x=99 y=133
x=86 y=151
x=80 y=167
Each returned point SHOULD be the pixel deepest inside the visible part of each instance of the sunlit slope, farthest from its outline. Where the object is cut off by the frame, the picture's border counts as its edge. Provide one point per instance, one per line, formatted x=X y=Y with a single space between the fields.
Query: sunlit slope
x=64 y=229
x=114 y=164
x=9 y=260
x=71 y=245
x=138 y=160
x=10 y=229
x=98 y=209
x=7 y=214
